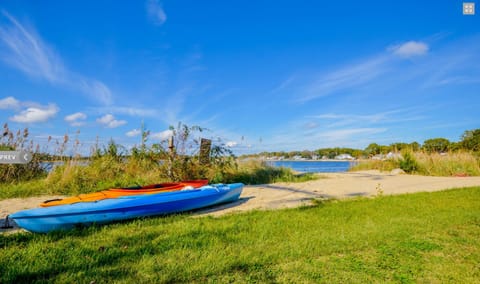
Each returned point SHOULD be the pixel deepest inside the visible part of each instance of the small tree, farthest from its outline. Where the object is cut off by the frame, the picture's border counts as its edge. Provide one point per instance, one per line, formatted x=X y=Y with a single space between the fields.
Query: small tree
x=373 y=149
x=470 y=140
x=436 y=145
x=415 y=146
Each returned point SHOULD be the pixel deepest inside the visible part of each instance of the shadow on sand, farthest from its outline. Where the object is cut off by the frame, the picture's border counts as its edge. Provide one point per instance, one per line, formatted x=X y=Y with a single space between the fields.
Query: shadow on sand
x=313 y=193
x=221 y=207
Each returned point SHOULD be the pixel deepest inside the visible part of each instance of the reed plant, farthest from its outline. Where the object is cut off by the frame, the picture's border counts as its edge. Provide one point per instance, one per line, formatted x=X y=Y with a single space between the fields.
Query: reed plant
x=459 y=163
x=19 y=140
x=448 y=164
x=381 y=165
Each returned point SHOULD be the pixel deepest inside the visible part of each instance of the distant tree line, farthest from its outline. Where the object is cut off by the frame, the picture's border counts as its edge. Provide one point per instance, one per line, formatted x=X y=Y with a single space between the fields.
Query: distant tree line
x=469 y=141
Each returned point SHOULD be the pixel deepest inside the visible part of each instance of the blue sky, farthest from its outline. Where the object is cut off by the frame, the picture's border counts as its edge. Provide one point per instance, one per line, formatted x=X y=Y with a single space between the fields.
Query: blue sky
x=262 y=75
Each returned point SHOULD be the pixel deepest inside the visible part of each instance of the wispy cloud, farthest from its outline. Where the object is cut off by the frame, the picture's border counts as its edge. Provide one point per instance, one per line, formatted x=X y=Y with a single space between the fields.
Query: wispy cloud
x=454 y=65
x=76 y=119
x=155 y=12
x=109 y=121
x=410 y=49
x=283 y=85
x=345 y=78
x=343 y=134
x=29 y=53
x=93 y=88
x=291 y=136
x=26 y=51
x=391 y=116
x=174 y=107
x=36 y=114
x=130 y=111
x=394 y=69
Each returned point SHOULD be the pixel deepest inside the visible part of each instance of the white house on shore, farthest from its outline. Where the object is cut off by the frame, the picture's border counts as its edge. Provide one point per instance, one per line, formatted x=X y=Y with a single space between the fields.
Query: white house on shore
x=344 y=157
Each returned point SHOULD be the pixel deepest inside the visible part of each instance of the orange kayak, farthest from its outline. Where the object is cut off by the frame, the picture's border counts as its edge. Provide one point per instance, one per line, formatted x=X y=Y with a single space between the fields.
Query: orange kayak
x=124 y=191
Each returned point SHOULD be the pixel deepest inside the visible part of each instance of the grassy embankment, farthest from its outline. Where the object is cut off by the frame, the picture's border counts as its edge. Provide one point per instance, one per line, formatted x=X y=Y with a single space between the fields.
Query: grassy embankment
x=112 y=165
x=424 y=237
x=107 y=172
x=434 y=164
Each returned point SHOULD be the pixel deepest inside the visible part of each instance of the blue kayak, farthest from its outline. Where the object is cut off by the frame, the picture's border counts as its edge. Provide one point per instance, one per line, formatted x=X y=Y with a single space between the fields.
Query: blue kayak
x=64 y=217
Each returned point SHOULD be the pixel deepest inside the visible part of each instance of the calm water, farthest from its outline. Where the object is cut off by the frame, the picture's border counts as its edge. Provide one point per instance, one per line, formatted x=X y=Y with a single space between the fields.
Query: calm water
x=299 y=166
x=315 y=166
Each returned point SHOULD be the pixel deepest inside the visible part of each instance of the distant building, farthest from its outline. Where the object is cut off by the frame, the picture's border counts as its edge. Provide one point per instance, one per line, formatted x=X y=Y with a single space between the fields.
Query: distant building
x=378 y=157
x=392 y=155
x=344 y=157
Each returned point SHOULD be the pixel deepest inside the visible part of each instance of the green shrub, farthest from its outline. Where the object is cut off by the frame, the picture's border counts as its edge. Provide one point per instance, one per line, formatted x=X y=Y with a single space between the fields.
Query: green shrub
x=408 y=162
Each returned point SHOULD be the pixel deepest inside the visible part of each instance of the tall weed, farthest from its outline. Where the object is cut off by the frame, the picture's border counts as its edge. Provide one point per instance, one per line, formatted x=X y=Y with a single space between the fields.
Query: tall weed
x=458 y=163
x=448 y=164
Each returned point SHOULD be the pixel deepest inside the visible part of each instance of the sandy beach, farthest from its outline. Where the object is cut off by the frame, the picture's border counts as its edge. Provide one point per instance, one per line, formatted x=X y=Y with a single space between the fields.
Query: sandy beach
x=287 y=195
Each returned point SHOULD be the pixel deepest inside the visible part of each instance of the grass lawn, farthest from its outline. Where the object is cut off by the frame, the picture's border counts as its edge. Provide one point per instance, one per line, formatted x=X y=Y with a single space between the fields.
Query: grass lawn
x=423 y=237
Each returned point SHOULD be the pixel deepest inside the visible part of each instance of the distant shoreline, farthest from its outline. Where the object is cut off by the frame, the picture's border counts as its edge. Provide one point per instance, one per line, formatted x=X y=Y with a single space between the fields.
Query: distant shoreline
x=326 y=160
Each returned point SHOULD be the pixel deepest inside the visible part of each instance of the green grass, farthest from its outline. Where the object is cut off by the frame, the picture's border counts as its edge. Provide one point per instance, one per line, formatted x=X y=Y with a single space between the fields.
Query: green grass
x=424 y=237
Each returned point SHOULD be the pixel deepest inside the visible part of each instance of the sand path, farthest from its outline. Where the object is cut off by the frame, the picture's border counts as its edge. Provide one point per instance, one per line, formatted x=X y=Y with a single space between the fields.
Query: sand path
x=285 y=195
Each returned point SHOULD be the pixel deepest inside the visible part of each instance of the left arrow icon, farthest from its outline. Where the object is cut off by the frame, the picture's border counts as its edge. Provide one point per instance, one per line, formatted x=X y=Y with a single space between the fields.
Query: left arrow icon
x=26 y=157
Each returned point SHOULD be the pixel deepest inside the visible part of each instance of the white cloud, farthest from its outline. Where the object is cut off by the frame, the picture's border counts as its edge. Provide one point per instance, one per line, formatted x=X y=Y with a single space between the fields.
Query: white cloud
x=26 y=51
x=109 y=121
x=155 y=12
x=133 y=133
x=410 y=49
x=36 y=114
x=162 y=136
x=231 y=144
x=75 y=119
x=9 y=103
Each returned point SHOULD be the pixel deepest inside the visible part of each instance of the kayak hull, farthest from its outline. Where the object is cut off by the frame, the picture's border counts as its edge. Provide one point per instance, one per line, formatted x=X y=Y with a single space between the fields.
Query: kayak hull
x=65 y=217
